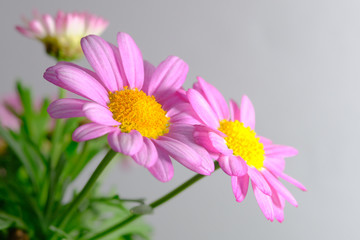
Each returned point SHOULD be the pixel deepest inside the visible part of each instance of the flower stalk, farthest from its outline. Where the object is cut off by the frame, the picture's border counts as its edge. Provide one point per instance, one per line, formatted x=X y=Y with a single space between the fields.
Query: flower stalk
x=153 y=205
x=84 y=192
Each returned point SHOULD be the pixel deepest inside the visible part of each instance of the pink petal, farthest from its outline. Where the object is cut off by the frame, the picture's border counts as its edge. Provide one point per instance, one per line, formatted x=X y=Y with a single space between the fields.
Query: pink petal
x=232 y=165
x=203 y=139
x=278 y=162
x=131 y=60
x=278 y=211
x=234 y=111
x=37 y=28
x=149 y=69
x=247 y=113
x=281 y=189
x=67 y=108
x=284 y=176
x=183 y=153
x=60 y=22
x=102 y=59
x=215 y=99
x=24 y=31
x=240 y=187
x=99 y=114
x=77 y=81
x=168 y=77
x=126 y=143
x=259 y=180
x=265 y=202
x=49 y=24
x=278 y=205
x=163 y=169
x=280 y=151
x=203 y=109
x=264 y=141
x=90 y=131
x=147 y=155
x=219 y=143
x=184 y=133
x=183 y=113
x=179 y=97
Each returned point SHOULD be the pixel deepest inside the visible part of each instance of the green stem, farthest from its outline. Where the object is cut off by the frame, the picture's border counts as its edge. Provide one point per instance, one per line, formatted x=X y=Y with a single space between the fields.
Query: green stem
x=153 y=205
x=79 y=198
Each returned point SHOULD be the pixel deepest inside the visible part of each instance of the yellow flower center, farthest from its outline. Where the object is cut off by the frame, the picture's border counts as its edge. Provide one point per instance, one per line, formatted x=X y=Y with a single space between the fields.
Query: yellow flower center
x=137 y=111
x=244 y=143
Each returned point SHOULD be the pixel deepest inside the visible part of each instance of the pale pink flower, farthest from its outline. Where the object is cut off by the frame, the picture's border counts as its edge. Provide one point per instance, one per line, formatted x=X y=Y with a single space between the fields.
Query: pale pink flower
x=8 y=119
x=228 y=133
x=136 y=104
x=61 y=35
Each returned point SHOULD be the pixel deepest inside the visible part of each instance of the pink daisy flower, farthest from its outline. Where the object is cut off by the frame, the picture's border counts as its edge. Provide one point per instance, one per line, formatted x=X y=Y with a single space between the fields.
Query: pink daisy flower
x=61 y=35
x=136 y=104
x=229 y=134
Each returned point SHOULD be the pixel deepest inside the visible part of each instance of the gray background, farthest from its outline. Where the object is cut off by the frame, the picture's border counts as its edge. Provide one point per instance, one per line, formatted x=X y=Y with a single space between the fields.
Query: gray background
x=299 y=63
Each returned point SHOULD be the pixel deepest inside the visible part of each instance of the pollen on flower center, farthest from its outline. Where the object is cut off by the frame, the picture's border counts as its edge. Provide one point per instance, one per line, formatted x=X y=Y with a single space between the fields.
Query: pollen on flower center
x=244 y=143
x=137 y=111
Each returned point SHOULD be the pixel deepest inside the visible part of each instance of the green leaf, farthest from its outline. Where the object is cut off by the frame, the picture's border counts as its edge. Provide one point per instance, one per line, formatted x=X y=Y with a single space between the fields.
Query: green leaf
x=5 y=223
x=60 y=232
x=17 y=149
x=6 y=220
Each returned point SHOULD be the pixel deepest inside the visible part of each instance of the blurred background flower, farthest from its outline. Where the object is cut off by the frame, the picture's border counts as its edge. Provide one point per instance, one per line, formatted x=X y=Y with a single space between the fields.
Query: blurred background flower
x=61 y=34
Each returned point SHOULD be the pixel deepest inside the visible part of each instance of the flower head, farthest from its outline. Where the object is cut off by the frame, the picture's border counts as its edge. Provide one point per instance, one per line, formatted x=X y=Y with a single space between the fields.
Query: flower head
x=229 y=134
x=61 y=35
x=140 y=107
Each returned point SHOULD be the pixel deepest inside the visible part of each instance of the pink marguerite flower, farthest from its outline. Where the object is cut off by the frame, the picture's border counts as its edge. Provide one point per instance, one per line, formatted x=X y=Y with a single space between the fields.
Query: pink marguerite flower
x=140 y=107
x=61 y=35
x=229 y=134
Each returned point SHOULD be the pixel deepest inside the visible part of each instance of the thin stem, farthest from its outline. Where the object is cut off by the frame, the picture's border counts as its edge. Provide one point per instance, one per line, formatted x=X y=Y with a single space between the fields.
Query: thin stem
x=79 y=198
x=153 y=205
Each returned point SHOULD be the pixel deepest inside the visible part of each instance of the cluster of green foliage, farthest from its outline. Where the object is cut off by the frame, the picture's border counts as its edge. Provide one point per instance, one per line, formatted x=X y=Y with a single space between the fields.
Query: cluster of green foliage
x=38 y=163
